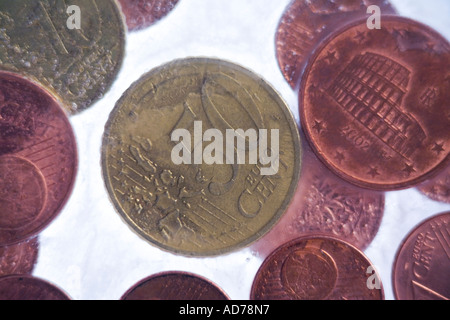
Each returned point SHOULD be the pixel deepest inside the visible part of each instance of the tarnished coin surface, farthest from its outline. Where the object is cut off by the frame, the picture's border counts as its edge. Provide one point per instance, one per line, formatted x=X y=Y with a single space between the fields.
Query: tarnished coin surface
x=141 y=14
x=75 y=48
x=422 y=264
x=305 y=24
x=316 y=268
x=20 y=258
x=374 y=104
x=38 y=158
x=175 y=286
x=438 y=188
x=326 y=204
x=201 y=157
x=25 y=287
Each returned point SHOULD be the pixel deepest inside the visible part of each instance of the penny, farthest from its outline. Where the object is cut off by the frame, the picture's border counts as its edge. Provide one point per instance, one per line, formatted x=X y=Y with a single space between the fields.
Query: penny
x=141 y=14
x=374 y=104
x=38 y=162
x=438 y=188
x=204 y=208
x=20 y=258
x=24 y=288
x=78 y=62
x=175 y=286
x=325 y=204
x=315 y=268
x=422 y=263
x=305 y=24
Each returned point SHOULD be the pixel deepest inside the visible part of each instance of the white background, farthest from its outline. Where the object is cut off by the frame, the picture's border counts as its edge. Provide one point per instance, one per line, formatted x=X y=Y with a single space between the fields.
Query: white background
x=89 y=252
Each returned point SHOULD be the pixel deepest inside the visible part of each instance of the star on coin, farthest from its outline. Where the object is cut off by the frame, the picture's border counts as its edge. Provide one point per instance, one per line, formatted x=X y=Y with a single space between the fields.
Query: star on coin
x=331 y=57
x=409 y=169
x=318 y=126
x=339 y=157
x=373 y=172
x=438 y=147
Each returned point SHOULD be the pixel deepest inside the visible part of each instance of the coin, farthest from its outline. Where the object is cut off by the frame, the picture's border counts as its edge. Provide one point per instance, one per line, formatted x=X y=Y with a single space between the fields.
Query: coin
x=203 y=208
x=422 y=263
x=378 y=99
x=78 y=62
x=316 y=268
x=141 y=14
x=305 y=24
x=24 y=287
x=438 y=188
x=175 y=286
x=325 y=204
x=20 y=258
x=38 y=158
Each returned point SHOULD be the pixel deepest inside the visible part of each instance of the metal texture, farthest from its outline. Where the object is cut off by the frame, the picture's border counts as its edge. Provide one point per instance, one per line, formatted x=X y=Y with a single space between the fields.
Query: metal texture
x=305 y=24
x=175 y=286
x=438 y=188
x=38 y=158
x=25 y=287
x=20 y=258
x=325 y=204
x=315 y=268
x=78 y=65
x=422 y=264
x=197 y=209
x=374 y=103
x=141 y=14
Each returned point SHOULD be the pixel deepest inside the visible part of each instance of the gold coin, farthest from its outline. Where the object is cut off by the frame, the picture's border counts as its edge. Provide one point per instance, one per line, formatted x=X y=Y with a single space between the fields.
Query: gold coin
x=226 y=182
x=75 y=48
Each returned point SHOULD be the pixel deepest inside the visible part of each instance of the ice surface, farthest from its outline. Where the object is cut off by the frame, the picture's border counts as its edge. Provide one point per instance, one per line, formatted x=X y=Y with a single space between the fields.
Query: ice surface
x=92 y=254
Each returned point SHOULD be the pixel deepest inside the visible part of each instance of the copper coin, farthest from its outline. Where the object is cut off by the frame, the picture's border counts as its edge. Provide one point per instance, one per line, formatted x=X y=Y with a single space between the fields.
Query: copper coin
x=374 y=103
x=438 y=188
x=175 y=286
x=325 y=204
x=140 y=14
x=38 y=158
x=422 y=266
x=22 y=288
x=20 y=258
x=305 y=24
x=315 y=268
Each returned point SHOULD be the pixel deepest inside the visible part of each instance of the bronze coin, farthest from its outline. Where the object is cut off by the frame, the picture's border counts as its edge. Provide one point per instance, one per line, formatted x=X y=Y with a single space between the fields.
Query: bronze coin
x=374 y=103
x=23 y=287
x=20 y=258
x=325 y=204
x=315 y=268
x=175 y=286
x=38 y=158
x=422 y=264
x=305 y=24
x=438 y=188
x=140 y=14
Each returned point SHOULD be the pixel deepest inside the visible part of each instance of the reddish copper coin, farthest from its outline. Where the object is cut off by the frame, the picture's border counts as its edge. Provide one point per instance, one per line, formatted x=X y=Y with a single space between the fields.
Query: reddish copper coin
x=140 y=14
x=22 y=288
x=438 y=188
x=305 y=24
x=315 y=268
x=175 y=286
x=325 y=204
x=20 y=258
x=374 y=104
x=38 y=160
x=422 y=265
